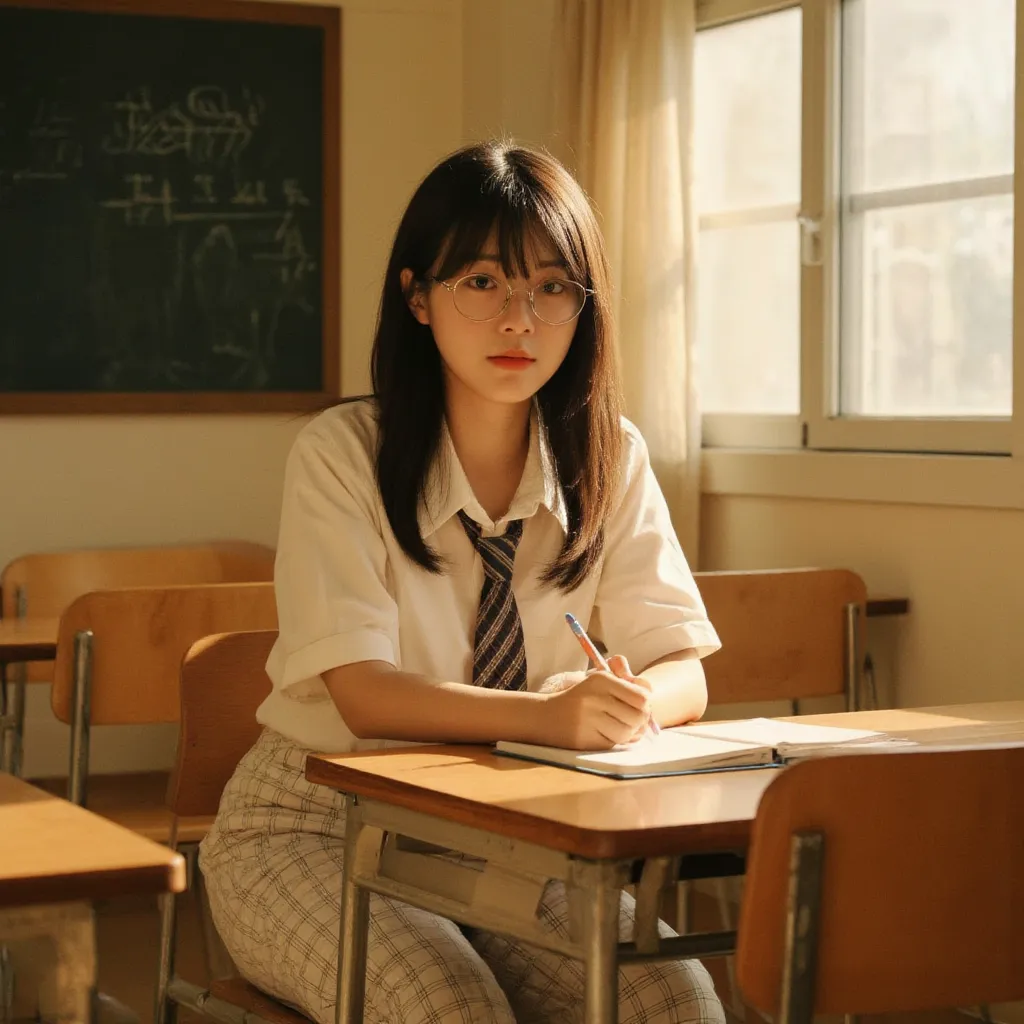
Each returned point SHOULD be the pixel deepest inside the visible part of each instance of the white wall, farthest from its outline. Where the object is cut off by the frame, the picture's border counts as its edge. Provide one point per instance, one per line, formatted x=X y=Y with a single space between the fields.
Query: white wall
x=962 y=640
x=507 y=87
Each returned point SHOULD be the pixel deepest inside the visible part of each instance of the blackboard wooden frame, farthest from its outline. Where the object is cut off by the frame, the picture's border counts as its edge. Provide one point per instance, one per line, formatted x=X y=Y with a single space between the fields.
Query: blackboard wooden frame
x=115 y=402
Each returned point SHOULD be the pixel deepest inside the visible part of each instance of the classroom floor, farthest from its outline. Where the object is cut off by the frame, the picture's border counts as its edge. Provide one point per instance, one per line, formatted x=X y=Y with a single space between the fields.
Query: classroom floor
x=129 y=931
x=128 y=936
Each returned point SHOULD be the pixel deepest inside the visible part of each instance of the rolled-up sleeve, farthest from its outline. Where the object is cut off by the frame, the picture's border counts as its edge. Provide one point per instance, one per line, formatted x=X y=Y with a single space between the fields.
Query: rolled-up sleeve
x=330 y=579
x=647 y=601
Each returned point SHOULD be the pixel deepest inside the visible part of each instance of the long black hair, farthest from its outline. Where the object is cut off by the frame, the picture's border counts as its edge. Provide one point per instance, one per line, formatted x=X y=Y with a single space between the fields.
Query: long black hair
x=519 y=194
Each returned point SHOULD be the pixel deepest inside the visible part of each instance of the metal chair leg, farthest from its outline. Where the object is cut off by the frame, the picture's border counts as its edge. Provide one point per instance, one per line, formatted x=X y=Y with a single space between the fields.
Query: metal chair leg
x=684 y=892
x=165 y=1010
x=803 y=911
x=736 y=1006
x=80 y=718
x=16 y=731
x=6 y=985
x=852 y=661
x=870 y=682
x=854 y=679
x=5 y=725
x=12 y=703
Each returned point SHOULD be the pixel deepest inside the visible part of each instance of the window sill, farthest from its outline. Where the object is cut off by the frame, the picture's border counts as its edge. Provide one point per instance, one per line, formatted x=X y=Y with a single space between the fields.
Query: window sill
x=973 y=481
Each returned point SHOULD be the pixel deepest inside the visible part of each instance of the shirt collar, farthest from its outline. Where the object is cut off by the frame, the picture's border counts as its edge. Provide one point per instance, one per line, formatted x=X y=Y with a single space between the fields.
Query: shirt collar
x=448 y=491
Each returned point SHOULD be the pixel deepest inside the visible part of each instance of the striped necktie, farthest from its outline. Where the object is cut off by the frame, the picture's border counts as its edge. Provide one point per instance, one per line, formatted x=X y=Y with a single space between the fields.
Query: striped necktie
x=499 y=650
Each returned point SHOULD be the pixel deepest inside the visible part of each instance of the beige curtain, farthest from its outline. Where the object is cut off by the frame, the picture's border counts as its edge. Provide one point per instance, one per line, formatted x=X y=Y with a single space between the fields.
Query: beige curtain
x=624 y=71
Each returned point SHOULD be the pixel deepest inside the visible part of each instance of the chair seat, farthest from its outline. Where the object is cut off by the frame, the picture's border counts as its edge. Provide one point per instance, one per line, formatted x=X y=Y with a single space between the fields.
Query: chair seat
x=137 y=801
x=239 y=992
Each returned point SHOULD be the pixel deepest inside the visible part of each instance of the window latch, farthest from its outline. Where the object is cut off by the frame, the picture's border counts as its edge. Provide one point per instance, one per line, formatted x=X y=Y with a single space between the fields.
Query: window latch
x=810 y=241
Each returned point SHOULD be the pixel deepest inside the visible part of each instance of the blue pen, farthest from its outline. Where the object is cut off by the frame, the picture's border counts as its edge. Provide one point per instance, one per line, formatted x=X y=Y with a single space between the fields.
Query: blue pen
x=599 y=660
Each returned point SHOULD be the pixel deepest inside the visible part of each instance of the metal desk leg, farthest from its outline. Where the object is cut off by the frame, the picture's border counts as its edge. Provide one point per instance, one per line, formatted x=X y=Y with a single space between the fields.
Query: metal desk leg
x=355 y=922
x=13 y=739
x=7 y=985
x=5 y=720
x=600 y=885
x=16 y=736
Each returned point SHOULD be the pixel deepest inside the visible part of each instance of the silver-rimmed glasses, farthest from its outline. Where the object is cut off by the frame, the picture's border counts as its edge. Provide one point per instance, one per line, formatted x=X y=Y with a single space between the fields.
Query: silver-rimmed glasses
x=481 y=297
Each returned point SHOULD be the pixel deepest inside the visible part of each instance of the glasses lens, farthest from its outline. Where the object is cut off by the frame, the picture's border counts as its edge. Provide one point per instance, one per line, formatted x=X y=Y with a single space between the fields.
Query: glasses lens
x=558 y=301
x=479 y=296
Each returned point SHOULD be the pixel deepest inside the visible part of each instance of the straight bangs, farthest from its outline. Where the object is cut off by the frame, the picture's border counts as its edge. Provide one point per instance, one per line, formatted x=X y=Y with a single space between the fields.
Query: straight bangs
x=520 y=217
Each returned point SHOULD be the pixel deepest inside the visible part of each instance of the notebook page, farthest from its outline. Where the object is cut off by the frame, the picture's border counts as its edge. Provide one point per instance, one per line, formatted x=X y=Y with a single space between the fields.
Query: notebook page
x=669 y=747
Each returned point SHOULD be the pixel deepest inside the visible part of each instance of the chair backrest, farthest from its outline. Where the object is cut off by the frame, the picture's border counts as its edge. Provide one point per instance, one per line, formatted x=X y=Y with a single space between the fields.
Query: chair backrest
x=922 y=895
x=783 y=632
x=50 y=581
x=223 y=681
x=140 y=636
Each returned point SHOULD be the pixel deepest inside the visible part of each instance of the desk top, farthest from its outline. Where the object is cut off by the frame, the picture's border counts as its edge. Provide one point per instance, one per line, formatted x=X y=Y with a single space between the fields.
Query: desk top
x=28 y=639
x=52 y=851
x=591 y=816
x=876 y=607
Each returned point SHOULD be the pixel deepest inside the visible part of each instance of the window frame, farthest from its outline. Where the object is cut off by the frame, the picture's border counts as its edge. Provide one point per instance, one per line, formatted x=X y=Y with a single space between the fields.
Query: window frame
x=818 y=427
x=748 y=430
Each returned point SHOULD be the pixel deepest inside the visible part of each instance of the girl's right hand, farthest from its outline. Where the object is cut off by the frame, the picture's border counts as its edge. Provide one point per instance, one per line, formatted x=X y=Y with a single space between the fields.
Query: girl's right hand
x=597 y=713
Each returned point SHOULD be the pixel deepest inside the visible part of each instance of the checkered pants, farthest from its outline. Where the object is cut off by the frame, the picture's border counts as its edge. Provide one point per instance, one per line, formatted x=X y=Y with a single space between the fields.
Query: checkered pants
x=272 y=866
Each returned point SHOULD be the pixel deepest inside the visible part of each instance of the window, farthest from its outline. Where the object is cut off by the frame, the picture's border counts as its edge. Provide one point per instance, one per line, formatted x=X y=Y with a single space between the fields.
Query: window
x=747 y=182
x=927 y=208
x=855 y=194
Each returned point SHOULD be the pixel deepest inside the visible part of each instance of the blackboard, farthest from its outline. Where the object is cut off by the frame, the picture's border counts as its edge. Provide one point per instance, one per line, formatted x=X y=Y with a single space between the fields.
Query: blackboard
x=168 y=206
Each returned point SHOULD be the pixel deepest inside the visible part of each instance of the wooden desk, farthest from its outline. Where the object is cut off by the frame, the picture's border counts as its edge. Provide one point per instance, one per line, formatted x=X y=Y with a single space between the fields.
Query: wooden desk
x=28 y=640
x=583 y=815
x=877 y=607
x=532 y=823
x=21 y=640
x=55 y=860
x=53 y=851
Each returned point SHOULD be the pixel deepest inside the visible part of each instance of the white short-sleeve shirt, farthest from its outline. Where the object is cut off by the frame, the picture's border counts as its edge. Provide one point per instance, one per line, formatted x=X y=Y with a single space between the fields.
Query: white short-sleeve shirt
x=347 y=592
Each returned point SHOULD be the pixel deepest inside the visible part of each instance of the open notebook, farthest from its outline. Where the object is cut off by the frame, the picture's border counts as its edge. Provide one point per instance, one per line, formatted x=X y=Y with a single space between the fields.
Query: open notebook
x=709 y=746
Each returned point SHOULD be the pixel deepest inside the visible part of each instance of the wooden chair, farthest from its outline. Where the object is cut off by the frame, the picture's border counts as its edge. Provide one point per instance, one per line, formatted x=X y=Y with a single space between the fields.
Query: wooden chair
x=119 y=655
x=223 y=681
x=907 y=894
x=43 y=585
x=787 y=634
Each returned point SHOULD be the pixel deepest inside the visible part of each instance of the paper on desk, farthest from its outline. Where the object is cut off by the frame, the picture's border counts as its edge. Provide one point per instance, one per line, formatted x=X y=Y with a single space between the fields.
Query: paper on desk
x=795 y=741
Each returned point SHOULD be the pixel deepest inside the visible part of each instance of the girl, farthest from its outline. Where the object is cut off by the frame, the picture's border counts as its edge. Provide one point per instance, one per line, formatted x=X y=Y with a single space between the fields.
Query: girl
x=432 y=538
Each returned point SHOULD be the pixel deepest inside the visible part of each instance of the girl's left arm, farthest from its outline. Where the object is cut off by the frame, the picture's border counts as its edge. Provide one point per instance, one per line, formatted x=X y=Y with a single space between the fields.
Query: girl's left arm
x=679 y=692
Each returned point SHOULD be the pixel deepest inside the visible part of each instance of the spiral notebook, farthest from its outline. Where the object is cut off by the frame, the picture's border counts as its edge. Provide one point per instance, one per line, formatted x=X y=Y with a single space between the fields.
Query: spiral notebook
x=709 y=746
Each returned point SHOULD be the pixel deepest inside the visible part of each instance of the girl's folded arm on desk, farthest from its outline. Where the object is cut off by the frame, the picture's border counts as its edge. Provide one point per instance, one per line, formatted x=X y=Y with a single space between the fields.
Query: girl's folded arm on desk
x=378 y=701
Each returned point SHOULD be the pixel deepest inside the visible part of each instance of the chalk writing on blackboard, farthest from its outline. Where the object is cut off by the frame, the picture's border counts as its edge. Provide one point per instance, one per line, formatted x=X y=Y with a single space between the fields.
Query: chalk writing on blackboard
x=206 y=127
x=162 y=233
x=53 y=150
